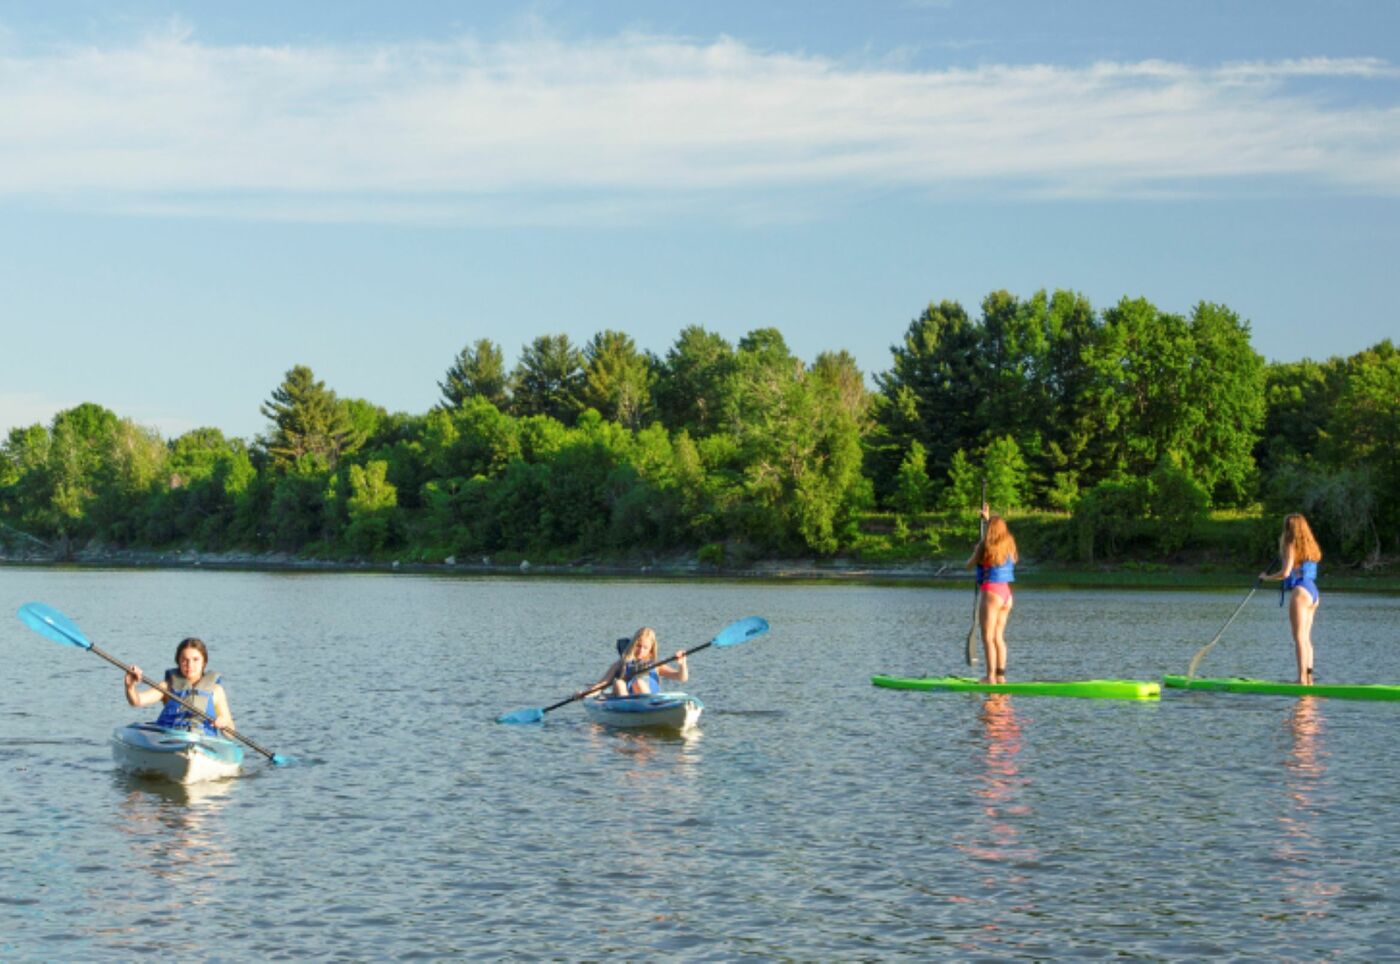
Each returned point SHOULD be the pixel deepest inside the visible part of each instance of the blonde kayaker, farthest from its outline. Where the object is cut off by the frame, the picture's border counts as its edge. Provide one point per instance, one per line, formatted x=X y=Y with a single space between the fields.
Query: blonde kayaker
x=190 y=680
x=626 y=675
x=995 y=559
x=1299 y=555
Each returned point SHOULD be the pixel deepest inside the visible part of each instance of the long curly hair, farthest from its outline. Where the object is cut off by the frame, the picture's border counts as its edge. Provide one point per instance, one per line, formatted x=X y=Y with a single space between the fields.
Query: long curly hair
x=1298 y=534
x=998 y=545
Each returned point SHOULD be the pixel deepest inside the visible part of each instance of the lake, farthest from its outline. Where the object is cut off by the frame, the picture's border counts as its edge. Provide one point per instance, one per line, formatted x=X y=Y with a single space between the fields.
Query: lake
x=811 y=816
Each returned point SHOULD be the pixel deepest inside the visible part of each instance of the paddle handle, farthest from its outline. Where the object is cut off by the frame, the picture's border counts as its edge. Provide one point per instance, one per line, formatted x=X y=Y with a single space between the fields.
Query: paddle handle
x=160 y=688
x=976 y=589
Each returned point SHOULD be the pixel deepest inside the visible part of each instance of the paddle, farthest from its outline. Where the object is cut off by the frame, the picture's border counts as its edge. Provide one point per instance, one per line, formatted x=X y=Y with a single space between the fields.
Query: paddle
x=50 y=623
x=1196 y=660
x=976 y=589
x=740 y=631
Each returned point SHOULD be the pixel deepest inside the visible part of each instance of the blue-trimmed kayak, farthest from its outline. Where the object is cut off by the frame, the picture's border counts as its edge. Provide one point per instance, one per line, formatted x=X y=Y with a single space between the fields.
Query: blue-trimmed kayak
x=663 y=711
x=1336 y=691
x=184 y=756
x=1096 y=689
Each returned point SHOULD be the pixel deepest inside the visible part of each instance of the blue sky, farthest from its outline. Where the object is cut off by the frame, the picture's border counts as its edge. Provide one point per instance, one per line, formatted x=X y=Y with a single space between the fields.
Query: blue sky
x=196 y=196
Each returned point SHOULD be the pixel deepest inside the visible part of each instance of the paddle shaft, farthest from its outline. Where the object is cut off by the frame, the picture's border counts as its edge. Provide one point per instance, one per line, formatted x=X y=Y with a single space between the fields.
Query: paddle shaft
x=160 y=688
x=645 y=669
x=1196 y=660
x=976 y=589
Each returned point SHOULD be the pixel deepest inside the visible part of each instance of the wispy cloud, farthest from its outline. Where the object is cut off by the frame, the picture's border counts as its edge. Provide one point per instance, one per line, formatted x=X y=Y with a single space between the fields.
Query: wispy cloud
x=641 y=126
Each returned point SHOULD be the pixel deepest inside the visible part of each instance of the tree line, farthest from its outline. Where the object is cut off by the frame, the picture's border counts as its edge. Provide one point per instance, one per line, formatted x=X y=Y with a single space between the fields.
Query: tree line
x=1133 y=422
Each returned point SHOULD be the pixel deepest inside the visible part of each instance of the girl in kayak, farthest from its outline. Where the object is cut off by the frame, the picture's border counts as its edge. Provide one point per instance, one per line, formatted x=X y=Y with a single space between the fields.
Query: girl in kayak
x=995 y=558
x=192 y=681
x=626 y=674
x=1299 y=555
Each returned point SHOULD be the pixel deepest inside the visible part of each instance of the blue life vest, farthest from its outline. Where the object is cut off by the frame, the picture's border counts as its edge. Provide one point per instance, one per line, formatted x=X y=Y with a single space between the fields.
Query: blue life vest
x=1006 y=572
x=629 y=673
x=1305 y=575
x=174 y=715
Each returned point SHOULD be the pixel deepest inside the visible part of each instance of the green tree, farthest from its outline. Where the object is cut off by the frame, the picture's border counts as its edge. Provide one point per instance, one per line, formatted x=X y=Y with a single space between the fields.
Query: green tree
x=308 y=420
x=1363 y=431
x=931 y=392
x=693 y=382
x=964 y=484
x=616 y=379
x=1006 y=473
x=912 y=486
x=77 y=470
x=799 y=450
x=1146 y=410
x=371 y=506
x=479 y=371
x=1226 y=385
x=548 y=379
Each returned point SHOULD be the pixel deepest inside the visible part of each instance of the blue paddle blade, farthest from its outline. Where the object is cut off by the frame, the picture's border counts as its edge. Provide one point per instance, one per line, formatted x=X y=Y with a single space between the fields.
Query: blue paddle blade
x=740 y=631
x=278 y=760
x=522 y=716
x=47 y=621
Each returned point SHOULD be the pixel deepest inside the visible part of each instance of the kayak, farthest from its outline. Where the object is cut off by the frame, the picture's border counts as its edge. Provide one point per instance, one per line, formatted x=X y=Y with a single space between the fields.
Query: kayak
x=1337 y=691
x=1100 y=689
x=662 y=711
x=184 y=756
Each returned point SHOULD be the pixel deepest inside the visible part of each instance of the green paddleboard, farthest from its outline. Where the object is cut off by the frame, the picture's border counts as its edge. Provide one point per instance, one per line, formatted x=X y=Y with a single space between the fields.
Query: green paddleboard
x=1336 y=691
x=1097 y=689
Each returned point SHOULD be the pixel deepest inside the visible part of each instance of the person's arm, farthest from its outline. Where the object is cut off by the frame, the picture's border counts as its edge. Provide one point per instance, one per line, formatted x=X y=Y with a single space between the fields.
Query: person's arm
x=223 y=719
x=145 y=697
x=613 y=671
x=1287 y=568
x=679 y=671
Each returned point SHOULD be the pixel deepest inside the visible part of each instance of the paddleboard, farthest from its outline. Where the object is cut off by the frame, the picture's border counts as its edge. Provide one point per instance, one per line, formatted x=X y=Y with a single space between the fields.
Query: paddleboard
x=1099 y=689
x=1336 y=691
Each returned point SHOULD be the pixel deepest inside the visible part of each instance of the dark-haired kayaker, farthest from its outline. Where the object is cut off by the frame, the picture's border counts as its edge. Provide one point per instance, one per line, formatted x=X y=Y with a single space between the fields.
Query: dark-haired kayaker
x=190 y=680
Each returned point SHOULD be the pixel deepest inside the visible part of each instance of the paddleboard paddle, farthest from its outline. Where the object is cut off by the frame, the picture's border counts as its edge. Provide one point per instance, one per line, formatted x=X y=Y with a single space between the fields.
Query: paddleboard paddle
x=1200 y=655
x=976 y=589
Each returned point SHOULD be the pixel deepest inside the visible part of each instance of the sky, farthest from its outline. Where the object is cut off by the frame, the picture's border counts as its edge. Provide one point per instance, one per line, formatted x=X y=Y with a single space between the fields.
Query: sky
x=197 y=196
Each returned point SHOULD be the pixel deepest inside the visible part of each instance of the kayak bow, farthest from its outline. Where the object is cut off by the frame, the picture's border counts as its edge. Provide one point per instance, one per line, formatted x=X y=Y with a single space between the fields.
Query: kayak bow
x=661 y=711
x=184 y=756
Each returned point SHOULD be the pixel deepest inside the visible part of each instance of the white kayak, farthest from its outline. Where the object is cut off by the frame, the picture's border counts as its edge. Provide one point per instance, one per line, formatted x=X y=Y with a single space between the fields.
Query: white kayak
x=662 y=711
x=185 y=756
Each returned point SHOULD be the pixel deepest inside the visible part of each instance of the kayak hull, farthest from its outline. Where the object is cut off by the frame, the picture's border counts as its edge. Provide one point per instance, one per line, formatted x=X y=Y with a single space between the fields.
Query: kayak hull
x=652 y=711
x=1100 y=689
x=182 y=756
x=1337 y=691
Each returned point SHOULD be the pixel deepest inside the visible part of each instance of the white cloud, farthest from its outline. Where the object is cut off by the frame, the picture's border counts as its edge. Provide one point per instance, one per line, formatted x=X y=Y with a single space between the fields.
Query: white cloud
x=640 y=126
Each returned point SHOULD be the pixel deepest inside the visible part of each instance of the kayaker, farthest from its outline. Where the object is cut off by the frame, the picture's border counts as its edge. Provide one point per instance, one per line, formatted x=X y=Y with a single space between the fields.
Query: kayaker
x=191 y=680
x=626 y=674
x=1299 y=555
x=995 y=559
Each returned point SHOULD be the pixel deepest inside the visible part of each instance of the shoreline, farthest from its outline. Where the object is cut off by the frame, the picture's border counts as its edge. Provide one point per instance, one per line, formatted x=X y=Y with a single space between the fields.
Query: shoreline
x=926 y=573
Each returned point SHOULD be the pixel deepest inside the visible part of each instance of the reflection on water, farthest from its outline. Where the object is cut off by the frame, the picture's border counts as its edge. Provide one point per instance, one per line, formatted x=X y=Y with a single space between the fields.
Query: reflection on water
x=1000 y=784
x=1305 y=786
x=178 y=829
x=997 y=845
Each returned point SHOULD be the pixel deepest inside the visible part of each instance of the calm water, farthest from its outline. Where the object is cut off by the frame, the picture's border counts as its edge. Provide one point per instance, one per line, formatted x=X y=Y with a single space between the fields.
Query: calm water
x=812 y=816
